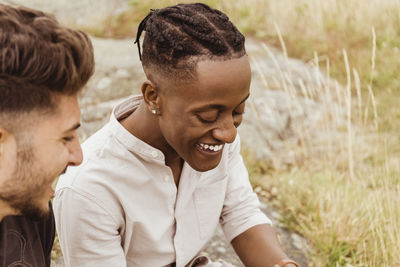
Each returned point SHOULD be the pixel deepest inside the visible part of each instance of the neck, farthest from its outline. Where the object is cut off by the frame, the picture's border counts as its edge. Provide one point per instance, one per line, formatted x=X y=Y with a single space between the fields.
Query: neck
x=6 y=210
x=144 y=125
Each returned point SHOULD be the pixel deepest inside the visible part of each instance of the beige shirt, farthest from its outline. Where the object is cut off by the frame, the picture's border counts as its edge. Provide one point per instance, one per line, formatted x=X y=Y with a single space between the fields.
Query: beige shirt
x=121 y=207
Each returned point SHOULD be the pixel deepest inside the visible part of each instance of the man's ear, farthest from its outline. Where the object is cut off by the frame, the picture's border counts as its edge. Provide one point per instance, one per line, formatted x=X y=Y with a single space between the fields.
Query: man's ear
x=151 y=96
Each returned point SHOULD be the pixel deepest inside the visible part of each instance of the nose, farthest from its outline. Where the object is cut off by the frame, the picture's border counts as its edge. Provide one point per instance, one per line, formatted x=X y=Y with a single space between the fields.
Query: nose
x=75 y=153
x=226 y=131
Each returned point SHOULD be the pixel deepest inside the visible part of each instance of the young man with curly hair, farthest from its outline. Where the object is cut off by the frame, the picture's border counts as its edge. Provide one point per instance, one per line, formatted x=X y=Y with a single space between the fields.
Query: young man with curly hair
x=43 y=66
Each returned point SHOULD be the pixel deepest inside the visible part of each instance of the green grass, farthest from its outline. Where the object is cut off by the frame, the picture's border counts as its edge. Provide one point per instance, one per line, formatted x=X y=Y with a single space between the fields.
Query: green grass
x=345 y=222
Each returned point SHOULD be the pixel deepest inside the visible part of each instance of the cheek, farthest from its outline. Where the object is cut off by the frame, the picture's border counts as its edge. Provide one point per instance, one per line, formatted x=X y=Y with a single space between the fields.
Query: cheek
x=180 y=135
x=179 y=128
x=55 y=157
x=193 y=135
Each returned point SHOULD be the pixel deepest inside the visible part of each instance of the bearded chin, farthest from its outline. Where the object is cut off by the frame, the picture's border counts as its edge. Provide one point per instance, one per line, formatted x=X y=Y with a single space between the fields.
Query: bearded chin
x=34 y=212
x=25 y=188
x=27 y=206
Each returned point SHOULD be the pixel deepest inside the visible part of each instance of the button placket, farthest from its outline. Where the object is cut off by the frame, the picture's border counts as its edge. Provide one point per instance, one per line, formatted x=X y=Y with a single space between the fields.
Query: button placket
x=154 y=154
x=167 y=178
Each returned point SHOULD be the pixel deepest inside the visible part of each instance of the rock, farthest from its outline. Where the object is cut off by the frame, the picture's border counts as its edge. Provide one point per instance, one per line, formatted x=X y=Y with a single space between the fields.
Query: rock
x=297 y=241
x=88 y=13
x=122 y=73
x=104 y=83
x=291 y=104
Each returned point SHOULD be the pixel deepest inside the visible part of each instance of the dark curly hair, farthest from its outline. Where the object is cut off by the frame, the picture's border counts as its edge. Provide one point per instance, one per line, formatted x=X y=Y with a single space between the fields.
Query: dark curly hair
x=39 y=59
x=177 y=37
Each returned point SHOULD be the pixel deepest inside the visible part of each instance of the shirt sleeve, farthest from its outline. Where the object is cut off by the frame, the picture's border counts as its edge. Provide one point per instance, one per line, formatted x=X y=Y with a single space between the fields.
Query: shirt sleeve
x=241 y=209
x=88 y=234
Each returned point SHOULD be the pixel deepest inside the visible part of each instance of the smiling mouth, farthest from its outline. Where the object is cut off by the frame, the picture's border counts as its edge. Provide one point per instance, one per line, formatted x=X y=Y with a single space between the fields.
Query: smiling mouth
x=210 y=148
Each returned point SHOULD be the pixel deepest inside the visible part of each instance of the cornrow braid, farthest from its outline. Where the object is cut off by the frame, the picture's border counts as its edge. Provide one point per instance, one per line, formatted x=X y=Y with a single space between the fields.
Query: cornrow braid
x=177 y=37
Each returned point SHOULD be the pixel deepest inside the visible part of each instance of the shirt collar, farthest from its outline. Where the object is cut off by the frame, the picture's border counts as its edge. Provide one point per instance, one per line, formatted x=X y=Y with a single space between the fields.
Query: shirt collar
x=131 y=142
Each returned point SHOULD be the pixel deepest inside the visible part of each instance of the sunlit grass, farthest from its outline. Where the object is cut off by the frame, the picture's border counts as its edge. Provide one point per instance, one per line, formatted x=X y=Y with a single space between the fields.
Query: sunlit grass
x=343 y=193
x=344 y=222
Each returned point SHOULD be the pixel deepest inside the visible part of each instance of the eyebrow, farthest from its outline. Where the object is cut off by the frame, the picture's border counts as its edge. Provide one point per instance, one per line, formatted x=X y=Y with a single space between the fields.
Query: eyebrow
x=212 y=106
x=73 y=128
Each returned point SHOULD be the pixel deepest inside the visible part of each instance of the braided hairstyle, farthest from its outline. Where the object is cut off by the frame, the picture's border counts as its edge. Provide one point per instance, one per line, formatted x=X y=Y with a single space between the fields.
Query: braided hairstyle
x=179 y=36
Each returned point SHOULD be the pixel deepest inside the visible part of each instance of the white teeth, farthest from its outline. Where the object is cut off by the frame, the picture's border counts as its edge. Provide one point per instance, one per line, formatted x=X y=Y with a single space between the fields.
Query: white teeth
x=211 y=147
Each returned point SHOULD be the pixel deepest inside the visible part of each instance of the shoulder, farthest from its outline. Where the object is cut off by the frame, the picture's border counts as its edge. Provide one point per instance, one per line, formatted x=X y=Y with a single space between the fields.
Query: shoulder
x=30 y=227
x=32 y=238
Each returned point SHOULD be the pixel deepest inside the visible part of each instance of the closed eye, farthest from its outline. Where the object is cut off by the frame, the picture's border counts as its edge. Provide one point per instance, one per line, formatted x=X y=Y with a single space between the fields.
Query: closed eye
x=209 y=116
x=235 y=113
x=206 y=120
x=68 y=138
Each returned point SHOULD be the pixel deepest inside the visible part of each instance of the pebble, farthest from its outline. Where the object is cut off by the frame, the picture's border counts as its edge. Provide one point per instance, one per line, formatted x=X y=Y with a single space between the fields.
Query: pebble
x=297 y=241
x=221 y=250
x=122 y=73
x=104 y=83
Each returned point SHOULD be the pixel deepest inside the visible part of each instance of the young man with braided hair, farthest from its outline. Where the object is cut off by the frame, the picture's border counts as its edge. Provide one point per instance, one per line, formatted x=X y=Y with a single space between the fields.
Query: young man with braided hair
x=166 y=169
x=43 y=66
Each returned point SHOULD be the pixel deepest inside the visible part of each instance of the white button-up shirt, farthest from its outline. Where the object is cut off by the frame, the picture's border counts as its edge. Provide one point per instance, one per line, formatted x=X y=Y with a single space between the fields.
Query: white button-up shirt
x=121 y=206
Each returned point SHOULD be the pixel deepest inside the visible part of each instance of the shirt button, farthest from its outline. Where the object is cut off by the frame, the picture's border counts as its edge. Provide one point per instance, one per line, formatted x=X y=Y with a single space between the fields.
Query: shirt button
x=166 y=178
x=154 y=154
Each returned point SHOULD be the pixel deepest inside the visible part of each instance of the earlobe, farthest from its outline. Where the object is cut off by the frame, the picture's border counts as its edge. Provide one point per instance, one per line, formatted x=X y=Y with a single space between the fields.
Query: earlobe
x=151 y=97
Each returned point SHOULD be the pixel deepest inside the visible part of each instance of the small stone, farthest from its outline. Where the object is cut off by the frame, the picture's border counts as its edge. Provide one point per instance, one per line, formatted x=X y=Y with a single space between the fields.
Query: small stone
x=122 y=73
x=274 y=191
x=221 y=250
x=104 y=83
x=297 y=241
x=257 y=189
x=263 y=205
x=275 y=215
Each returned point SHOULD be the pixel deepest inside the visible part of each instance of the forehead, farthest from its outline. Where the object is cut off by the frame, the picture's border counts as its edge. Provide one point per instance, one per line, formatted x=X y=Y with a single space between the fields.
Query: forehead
x=223 y=73
x=215 y=79
x=54 y=122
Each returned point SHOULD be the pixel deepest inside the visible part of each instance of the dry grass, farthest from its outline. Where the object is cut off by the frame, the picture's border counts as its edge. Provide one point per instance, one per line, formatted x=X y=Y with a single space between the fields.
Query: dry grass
x=344 y=193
